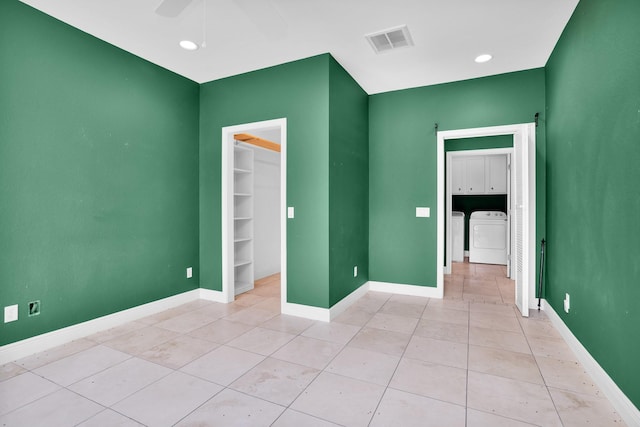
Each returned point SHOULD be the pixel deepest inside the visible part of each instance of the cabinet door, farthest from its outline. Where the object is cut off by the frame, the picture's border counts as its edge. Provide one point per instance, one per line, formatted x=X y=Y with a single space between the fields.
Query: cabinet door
x=457 y=175
x=497 y=174
x=475 y=175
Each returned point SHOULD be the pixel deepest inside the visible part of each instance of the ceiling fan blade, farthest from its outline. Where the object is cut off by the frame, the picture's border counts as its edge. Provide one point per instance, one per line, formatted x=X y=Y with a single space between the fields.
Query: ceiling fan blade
x=172 y=8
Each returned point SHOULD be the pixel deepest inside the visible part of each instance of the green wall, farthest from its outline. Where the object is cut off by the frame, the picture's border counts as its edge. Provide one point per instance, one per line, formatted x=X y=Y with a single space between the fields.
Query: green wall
x=298 y=91
x=402 y=162
x=348 y=183
x=462 y=144
x=98 y=175
x=593 y=95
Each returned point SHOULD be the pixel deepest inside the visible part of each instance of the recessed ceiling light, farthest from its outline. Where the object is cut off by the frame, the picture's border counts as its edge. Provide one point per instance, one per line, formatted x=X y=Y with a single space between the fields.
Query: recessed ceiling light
x=483 y=58
x=188 y=45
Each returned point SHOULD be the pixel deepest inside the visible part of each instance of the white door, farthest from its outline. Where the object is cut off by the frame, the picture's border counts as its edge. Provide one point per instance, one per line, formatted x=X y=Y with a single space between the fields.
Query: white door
x=520 y=219
x=510 y=234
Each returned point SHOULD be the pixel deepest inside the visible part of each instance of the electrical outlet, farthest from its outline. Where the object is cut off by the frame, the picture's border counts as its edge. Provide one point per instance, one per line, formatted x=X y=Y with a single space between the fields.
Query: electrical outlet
x=567 y=303
x=189 y=272
x=355 y=271
x=34 y=308
x=11 y=313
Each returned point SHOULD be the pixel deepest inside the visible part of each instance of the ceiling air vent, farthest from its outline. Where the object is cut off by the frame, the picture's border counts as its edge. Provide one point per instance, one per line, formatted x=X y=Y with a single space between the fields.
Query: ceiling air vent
x=393 y=38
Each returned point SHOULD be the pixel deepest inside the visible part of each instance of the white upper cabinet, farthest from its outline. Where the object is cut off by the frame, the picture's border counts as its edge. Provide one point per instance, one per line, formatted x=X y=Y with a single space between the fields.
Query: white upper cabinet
x=458 y=175
x=496 y=167
x=479 y=174
x=475 y=175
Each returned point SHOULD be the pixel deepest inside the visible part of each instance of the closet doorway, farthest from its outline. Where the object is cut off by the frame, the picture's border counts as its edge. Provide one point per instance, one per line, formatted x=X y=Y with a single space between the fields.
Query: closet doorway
x=478 y=180
x=478 y=191
x=522 y=213
x=253 y=206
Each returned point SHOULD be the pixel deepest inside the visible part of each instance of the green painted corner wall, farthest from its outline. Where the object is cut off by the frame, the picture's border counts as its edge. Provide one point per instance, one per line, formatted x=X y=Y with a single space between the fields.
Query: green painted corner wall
x=402 y=162
x=298 y=91
x=98 y=175
x=348 y=183
x=593 y=110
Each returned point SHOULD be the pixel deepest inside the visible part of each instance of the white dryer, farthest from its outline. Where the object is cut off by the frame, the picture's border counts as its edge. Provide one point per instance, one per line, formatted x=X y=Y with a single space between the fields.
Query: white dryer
x=488 y=236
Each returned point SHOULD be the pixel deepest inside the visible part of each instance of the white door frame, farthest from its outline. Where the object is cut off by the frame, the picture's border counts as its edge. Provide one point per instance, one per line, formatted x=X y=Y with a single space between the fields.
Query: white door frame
x=524 y=132
x=228 y=291
x=449 y=197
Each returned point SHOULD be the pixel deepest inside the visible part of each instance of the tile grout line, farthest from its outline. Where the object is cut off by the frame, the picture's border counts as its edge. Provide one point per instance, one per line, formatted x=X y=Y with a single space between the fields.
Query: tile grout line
x=544 y=380
x=466 y=394
x=386 y=388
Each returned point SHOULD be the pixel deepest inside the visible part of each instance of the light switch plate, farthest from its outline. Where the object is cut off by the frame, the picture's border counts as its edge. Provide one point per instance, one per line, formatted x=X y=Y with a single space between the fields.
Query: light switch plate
x=11 y=313
x=423 y=212
x=290 y=212
x=189 y=272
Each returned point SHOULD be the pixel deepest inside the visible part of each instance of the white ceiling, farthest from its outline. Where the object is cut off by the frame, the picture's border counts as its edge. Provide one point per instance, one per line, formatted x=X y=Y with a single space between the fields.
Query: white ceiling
x=246 y=35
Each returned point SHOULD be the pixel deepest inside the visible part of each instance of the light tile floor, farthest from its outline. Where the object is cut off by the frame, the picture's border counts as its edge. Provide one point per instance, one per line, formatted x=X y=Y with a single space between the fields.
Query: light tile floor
x=389 y=360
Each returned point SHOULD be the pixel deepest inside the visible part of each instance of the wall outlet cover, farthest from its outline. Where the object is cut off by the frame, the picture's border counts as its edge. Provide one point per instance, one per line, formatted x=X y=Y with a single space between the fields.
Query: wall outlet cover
x=355 y=271
x=11 y=313
x=189 y=272
x=423 y=212
x=290 y=212
x=567 y=303
x=34 y=308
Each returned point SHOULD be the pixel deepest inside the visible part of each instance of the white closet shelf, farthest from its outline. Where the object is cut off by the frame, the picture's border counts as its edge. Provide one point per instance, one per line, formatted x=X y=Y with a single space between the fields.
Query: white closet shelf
x=244 y=286
x=242 y=218
x=238 y=170
x=243 y=194
x=241 y=262
x=242 y=239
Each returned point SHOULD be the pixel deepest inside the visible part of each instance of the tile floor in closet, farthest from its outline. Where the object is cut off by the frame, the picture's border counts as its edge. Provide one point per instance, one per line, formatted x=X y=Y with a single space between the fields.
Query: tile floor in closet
x=389 y=360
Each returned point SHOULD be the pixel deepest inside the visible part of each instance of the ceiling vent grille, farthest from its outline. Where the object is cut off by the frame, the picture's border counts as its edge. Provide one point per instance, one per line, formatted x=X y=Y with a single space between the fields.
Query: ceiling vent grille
x=391 y=39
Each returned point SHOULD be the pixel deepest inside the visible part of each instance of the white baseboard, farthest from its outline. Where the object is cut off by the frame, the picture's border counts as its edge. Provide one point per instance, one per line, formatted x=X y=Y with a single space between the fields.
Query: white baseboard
x=306 y=311
x=211 y=295
x=29 y=346
x=627 y=410
x=346 y=302
x=325 y=314
x=398 y=288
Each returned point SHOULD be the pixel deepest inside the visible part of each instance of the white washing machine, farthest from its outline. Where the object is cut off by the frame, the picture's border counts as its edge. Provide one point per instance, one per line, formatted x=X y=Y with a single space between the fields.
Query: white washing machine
x=457 y=236
x=488 y=235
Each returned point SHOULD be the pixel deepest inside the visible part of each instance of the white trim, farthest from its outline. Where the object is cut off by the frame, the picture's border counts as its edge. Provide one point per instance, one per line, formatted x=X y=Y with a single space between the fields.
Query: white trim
x=325 y=314
x=211 y=295
x=401 y=289
x=627 y=410
x=228 y=291
x=283 y=211
x=306 y=311
x=338 y=308
x=29 y=346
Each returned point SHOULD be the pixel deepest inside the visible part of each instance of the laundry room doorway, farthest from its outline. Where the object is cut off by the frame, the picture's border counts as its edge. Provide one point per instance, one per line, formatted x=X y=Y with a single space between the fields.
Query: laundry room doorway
x=520 y=202
x=253 y=185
